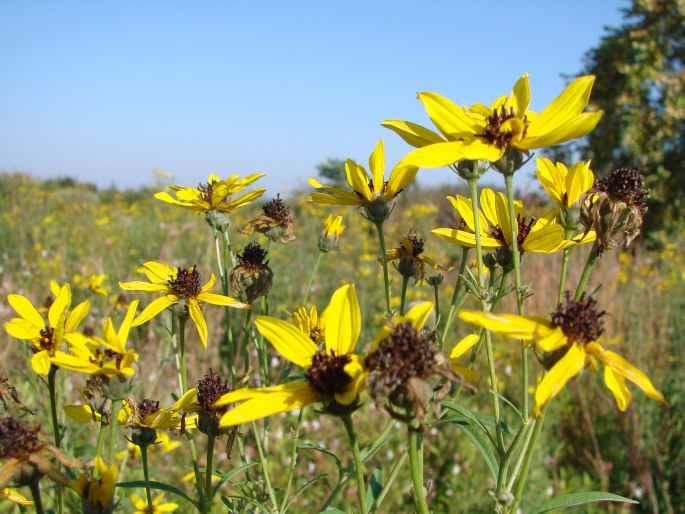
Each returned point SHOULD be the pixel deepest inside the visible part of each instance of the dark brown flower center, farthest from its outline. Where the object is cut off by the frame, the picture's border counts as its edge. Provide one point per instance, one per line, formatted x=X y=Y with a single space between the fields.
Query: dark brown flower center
x=625 y=185
x=253 y=256
x=276 y=209
x=16 y=440
x=414 y=242
x=580 y=320
x=405 y=354
x=524 y=228
x=209 y=389
x=47 y=341
x=206 y=191
x=186 y=283
x=493 y=130
x=147 y=407
x=327 y=374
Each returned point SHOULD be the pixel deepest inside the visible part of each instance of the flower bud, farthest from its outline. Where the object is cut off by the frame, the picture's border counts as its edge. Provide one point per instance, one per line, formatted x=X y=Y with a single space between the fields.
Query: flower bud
x=472 y=169
x=377 y=211
x=219 y=220
x=509 y=163
x=329 y=236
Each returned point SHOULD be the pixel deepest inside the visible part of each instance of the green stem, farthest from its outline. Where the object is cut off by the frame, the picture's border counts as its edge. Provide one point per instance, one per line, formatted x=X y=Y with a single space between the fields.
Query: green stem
x=416 y=476
x=101 y=439
x=405 y=281
x=453 y=304
x=208 y=473
x=196 y=466
x=384 y=260
x=504 y=464
x=226 y=347
x=265 y=464
x=564 y=266
x=293 y=460
x=493 y=385
x=34 y=486
x=473 y=190
x=113 y=425
x=146 y=474
x=311 y=277
x=391 y=479
x=513 y=223
x=591 y=259
x=52 y=388
x=528 y=458
x=358 y=464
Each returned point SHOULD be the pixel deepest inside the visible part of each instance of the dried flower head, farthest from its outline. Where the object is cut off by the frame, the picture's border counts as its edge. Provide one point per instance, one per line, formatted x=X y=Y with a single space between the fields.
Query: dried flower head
x=252 y=277
x=615 y=209
x=275 y=222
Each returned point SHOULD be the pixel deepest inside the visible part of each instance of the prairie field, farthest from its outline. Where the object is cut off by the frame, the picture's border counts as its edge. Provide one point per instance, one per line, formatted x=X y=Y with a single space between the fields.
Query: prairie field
x=66 y=232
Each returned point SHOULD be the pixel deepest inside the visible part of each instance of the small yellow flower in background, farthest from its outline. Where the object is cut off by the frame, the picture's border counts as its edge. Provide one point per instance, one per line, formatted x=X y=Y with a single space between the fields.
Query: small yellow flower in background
x=566 y=187
x=311 y=323
x=488 y=133
x=571 y=340
x=541 y=235
x=369 y=191
x=182 y=287
x=334 y=376
x=412 y=261
x=45 y=338
x=275 y=222
x=97 y=494
x=459 y=350
x=97 y=356
x=329 y=236
x=95 y=284
x=157 y=505
x=14 y=496
x=214 y=198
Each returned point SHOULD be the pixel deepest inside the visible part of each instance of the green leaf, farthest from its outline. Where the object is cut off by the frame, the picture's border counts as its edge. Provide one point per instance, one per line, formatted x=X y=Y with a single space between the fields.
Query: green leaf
x=481 y=419
x=332 y=511
x=302 y=488
x=375 y=487
x=227 y=476
x=483 y=447
x=140 y=484
x=571 y=500
x=321 y=449
x=369 y=452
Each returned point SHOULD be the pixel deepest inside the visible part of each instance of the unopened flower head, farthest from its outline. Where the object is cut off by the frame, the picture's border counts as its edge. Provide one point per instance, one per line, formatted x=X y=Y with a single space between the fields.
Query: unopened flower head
x=502 y=130
x=615 y=208
x=275 y=222
x=571 y=341
x=412 y=261
x=252 y=277
x=329 y=236
x=209 y=389
x=372 y=192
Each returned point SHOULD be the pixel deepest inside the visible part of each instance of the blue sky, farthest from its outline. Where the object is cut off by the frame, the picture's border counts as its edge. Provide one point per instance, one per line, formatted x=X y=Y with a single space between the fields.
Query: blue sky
x=108 y=91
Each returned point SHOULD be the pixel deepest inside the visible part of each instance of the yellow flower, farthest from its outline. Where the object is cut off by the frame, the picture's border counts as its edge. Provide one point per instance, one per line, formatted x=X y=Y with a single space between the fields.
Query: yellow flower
x=332 y=228
x=183 y=287
x=335 y=376
x=14 y=496
x=45 y=338
x=215 y=195
x=96 y=356
x=542 y=235
x=565 y=186
x=97 y=493
x=488 y=133
x=157 y=505
x=311 y=323
x=571 y=339
x=95 y=284
x=369 y=191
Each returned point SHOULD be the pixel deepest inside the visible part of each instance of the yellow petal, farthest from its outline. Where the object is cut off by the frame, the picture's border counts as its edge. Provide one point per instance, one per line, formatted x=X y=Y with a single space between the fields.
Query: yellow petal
x=154 y=308
x=467 y=239
x=158 y=273
x=448 y=118
x=144 y=286
x=199 y=321
x=217 y=299
x=579 y=126
x=400 y=177
x=260 y=406
x=59 y=306
x=413 y=134
x=617 y=385
x=40 y=362
x=26 y=310
x=434 y=156
x=418 y=315
x=463 y=345
x=76 y=316
x=549 y=176
x=288 y=340
x=81 y=413
x=377 y=167
x=358 y=179
x=520 y=96
x=125 y=327
x=22 y=329
x=343 y=321
x=479 y=149
x=567 y=367
x=545 y=240
x=517 y=327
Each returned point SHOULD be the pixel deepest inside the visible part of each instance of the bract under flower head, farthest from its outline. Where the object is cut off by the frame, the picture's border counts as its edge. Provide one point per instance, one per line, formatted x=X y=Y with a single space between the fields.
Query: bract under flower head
x=488 y=133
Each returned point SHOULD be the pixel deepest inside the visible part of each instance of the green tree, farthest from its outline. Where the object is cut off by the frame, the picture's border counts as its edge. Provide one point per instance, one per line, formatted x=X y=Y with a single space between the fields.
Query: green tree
x=640 y=86
x=334 y=170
